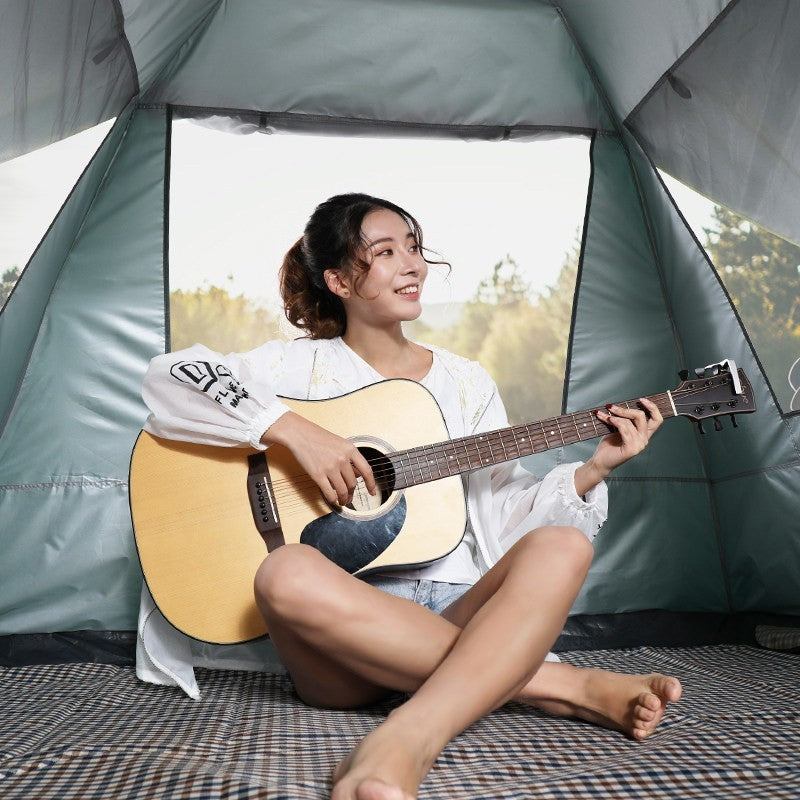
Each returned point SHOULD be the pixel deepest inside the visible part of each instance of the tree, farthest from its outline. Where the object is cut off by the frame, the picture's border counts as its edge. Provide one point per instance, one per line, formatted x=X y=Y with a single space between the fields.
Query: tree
x=223 y=322
x=7 y=281
x=761 y=272
x=520 y=337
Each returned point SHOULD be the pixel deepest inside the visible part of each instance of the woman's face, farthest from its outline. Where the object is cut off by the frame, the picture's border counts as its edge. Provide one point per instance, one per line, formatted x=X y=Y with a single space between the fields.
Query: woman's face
x=390 y=290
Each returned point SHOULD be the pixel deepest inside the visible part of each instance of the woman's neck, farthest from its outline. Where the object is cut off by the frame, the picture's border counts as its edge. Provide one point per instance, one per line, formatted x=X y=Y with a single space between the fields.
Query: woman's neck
x=389 y=353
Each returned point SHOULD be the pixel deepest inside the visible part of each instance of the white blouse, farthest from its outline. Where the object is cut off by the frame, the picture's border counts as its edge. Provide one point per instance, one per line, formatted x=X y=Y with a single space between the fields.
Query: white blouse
x=201 y=396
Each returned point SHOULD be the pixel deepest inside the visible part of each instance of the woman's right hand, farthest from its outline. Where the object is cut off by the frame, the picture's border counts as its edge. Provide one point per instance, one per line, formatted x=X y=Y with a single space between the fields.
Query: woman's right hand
x=333 y=463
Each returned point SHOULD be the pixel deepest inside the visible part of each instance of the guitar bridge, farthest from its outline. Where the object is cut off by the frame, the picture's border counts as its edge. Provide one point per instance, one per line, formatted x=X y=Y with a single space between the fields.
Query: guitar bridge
x=262 y=502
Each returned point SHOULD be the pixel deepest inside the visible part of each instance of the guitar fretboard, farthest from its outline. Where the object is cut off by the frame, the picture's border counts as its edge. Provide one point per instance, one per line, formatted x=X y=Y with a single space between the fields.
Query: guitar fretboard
x=453 y=457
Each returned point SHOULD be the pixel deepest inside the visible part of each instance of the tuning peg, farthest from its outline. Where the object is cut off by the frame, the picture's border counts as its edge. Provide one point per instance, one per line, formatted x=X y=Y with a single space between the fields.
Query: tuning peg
x=717 y=424
x=733 y=420
x=684 y=374
x=700 y=426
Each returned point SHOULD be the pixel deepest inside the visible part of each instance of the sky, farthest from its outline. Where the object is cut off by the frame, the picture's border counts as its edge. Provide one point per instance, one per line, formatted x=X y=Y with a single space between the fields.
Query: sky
x=238 y=202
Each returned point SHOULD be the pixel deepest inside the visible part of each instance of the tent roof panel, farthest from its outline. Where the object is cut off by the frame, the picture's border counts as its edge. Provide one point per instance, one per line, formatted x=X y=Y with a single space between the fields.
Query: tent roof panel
x=64 y=67
x=728 y=124
x=632 y=43
x=446 y=63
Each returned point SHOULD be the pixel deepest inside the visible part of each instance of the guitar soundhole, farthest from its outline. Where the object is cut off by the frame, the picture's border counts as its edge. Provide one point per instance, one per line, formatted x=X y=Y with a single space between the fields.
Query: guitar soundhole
x=383 y=471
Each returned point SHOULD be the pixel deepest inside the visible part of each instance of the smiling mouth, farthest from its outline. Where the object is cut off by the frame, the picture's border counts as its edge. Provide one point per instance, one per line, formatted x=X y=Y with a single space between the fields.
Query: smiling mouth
x=406 y=290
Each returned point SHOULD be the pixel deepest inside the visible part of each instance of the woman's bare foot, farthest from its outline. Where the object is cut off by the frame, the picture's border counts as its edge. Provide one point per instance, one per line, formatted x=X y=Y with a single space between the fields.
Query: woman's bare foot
x=633 y=704
x=387 y=764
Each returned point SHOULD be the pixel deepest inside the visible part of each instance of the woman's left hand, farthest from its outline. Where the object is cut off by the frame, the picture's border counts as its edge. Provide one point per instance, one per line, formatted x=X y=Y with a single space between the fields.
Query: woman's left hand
x=634 y=427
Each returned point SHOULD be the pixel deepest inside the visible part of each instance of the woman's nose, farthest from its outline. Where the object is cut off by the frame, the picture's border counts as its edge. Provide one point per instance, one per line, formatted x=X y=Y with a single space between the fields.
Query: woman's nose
x=409 y=263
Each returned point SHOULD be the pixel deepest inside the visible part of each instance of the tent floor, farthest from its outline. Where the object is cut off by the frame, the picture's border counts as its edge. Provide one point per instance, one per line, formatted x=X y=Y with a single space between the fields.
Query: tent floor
x=93 y=730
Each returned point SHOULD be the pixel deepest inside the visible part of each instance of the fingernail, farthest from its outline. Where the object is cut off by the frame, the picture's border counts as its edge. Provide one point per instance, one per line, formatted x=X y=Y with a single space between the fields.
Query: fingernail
x=608 y=406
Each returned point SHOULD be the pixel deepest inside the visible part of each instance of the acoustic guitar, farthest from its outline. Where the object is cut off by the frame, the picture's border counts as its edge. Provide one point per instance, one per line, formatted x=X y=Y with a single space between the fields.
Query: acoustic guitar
x=205 y=517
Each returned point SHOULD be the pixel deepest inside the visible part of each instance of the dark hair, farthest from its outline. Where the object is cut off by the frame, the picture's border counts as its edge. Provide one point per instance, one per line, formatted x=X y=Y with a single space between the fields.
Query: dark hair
x=332 y=240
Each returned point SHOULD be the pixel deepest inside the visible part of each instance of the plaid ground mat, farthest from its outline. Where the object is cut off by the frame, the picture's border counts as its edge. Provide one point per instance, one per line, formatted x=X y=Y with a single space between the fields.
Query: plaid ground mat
x=92 y=731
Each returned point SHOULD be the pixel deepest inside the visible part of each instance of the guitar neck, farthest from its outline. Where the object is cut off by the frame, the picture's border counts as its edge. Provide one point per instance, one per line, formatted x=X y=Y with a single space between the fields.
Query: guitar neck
x=455 y=456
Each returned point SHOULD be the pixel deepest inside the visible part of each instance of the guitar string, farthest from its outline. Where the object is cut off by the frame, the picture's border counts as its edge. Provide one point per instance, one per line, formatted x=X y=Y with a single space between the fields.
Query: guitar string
x=428 y=469
x=419 y=458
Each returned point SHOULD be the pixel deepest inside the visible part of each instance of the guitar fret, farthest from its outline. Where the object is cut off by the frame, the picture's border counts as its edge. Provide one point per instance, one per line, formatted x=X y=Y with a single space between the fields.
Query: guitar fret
x=491 y=454
x=453 y=464
x=503 y=445
x=516 y=442
x=560 y=434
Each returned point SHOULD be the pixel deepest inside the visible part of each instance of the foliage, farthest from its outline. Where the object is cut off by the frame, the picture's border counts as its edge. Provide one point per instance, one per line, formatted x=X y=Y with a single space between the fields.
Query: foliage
x=761 y=272
x=518 y=336
x=7 y=281
x=223 y=322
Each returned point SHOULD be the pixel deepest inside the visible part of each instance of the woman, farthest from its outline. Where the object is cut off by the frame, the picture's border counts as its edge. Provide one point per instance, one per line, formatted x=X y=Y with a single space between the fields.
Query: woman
x=495 y=604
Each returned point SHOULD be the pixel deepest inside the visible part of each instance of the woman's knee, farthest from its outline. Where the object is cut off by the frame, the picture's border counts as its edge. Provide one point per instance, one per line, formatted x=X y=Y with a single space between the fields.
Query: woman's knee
x=566 y=542
x=287 y=578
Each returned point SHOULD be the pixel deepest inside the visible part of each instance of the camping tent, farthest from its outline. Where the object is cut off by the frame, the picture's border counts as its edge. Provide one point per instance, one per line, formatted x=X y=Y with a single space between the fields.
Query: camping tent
x=704 y=523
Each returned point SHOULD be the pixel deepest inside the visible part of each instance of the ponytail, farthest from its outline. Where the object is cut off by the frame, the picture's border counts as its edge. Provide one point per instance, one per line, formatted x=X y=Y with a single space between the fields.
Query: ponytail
x=314 y=309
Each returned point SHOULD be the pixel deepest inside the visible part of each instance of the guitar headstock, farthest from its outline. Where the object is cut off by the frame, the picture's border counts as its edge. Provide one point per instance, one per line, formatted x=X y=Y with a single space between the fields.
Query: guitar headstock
x=715 y=391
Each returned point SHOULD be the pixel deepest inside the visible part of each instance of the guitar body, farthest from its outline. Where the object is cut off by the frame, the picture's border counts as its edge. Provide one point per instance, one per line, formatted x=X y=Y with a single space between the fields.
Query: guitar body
x=200 y=547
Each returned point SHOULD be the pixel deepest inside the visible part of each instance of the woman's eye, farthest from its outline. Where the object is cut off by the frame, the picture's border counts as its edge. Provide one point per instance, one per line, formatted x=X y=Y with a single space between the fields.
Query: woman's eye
x=414 y=248
x=386 y=252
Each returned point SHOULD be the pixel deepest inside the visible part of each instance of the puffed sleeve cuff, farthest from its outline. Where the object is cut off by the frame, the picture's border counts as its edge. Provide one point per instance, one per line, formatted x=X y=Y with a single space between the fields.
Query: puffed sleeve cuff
x=266 y=416
x=588 y=512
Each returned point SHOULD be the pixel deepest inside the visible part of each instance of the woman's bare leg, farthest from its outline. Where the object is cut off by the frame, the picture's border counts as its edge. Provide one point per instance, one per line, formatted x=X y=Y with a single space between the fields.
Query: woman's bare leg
x=530 y=593
x=341 y=638
x=344 y=645
x=631 y=703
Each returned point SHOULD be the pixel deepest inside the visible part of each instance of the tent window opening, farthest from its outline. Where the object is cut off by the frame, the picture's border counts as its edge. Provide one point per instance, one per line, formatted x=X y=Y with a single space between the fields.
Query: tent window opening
x=33 y=188
x=507 y=216
x=761 y=272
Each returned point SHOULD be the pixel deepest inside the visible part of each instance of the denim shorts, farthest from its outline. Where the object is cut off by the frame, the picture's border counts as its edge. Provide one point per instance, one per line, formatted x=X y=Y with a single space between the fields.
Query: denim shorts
x=435 y=595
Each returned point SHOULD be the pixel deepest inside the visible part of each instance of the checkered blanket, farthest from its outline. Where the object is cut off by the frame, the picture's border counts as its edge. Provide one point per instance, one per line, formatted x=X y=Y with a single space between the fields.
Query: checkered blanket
x=92 y=731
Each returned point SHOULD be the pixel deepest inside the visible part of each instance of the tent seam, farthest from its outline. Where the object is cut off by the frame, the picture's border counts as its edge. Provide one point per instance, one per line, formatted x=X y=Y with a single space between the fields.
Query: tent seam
x=165 y=231
x=502 y=131
x=787 y=465
x=578 y=276
x=105 y=483
x=683 y=56
x=200 y=24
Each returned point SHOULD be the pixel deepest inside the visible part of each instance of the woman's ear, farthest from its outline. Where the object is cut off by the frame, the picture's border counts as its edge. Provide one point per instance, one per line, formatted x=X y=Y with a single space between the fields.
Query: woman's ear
x=334 y=281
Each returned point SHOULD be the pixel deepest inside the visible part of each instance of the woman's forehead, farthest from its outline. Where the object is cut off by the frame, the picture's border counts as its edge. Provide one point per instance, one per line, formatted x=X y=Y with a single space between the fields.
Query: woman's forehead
x=383 y=224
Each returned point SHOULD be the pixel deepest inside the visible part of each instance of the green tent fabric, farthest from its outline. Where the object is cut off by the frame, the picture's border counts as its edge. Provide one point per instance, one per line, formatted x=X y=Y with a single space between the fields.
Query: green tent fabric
x=701 y=523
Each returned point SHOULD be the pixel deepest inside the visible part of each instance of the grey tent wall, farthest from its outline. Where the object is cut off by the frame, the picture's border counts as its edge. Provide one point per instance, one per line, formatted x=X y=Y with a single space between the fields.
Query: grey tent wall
x=69 y=560
x=624 y=346
x=22 y=314
x=754 y=469
x=696 y=522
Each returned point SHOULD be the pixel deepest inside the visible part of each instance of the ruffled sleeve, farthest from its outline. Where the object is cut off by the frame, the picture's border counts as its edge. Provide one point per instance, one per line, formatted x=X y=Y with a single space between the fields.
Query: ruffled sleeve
x=200 y=396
